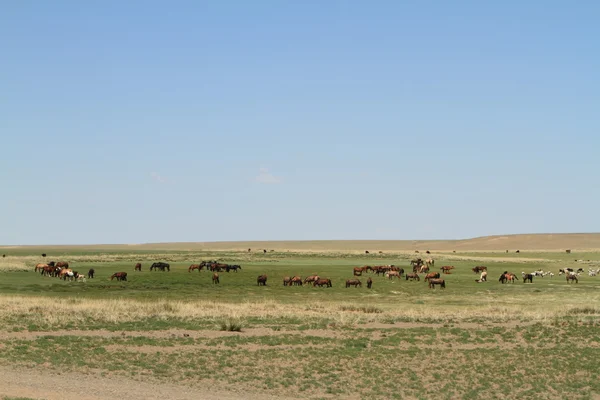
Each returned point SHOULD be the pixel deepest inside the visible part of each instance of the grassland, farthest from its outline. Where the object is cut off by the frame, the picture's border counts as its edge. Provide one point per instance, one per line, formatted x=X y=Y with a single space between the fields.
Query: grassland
x=397 y=340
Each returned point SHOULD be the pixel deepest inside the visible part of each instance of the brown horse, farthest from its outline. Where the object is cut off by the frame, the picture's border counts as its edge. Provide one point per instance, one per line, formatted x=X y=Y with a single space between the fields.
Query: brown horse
x=447 y=268
x=572 y=277
x=40 y=267
x=358 y=271
x=479 y=269
x=91 y=273
x=527 y=277
x=431 y=275
x=369 y=282
x=353 y=282
x=138 y=267
x=311 y=278
x=392 y=274
x=195 y=266
x=287 y=281
x=412 y=276
x=215 y=278
x=323 y=282
x=261 y=280
x=62 y=264
x=433 y=282
x=296 y=281
x=121 y=276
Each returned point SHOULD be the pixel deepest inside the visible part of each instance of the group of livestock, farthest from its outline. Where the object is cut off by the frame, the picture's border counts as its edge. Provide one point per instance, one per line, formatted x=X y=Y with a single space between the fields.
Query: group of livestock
x=61 y=270
x=419 y=266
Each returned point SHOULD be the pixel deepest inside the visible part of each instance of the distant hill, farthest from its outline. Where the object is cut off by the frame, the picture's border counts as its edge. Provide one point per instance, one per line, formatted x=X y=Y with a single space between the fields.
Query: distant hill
x=543 y=241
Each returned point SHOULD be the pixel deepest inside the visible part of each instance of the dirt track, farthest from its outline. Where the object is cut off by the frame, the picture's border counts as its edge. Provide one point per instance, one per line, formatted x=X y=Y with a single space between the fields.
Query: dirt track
x=48 y=385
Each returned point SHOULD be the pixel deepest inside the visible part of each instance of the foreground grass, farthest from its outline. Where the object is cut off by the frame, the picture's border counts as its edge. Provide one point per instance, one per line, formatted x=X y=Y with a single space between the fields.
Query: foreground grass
x=397 y=340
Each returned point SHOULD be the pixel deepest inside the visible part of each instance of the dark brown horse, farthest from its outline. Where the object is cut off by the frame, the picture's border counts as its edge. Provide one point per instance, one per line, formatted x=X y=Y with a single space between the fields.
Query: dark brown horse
x=479 y=268
x=121 y=276
x=91 y=273
x=572 y=277
x=323 y=282
x=412 y=276
x=433 y=282
x=431 y=275
x=369 y=282
x=527 y=277
x=261 y=280
x=138 y=267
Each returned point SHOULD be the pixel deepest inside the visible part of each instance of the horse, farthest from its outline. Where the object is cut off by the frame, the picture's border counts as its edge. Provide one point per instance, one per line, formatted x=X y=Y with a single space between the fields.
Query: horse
x=572 y=277
x=527 y=277
x=412 y=277
x=431 y=275
x=424 y=269
x=91 y=273
x=483 y=277
x=296 y=281
x=232 y=268
x=311 y=278
x=369 y=282
x=429 y=262
x=62 y=264
x=195 y=266
x=215 y=278
x=478 y=269
x=121 y=276
x=287 y=281
x=358 y=271
x=160 y=265
x=261 y=280
x=433 y=282
x=138 y=267
x=40 y=267
x=392 y=274
x=323 y=282
x=353 y=282
x=508 y=277
x=446 y=269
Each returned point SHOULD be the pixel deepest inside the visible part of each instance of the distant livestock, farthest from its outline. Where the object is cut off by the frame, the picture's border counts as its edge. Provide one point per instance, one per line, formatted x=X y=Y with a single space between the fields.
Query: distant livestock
x=261 y=280
x=161 y=266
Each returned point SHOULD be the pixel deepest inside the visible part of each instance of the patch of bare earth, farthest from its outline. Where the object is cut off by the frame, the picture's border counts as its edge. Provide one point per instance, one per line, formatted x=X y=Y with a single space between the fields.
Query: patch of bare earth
x=39 y=383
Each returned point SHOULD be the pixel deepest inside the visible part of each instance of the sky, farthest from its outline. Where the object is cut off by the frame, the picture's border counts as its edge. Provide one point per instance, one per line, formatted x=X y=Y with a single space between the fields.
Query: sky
x=165 y=121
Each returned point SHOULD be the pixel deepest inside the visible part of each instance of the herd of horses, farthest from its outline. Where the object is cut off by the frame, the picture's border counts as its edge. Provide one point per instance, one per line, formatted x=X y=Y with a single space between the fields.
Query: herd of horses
x=61 y=270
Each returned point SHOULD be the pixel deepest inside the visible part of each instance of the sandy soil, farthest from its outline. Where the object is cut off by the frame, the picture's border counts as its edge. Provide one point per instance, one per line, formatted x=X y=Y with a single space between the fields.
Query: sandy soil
x=50 y=385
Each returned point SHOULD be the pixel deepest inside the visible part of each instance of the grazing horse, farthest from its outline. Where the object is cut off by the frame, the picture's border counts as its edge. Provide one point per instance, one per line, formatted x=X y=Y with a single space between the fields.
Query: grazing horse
x=369 y=282
x=392 y=274
x=424 y=269
x=311 y=278
x=40 y=267
x=572 y=277
x=431 y=275
x=195 y=266
x=433 y=282
x=62 y=264
x=121 y=276
x=323 y=282
x=160 y=265
x=232 y=268
x=483 y=277
x=353 y=282
x=287 y=281
x=215 y=278
x=478 y=269
x=261 y=280
x=412 y=277
x=91 y=273
x=138 y=267
x=358 y=271
x=296 y=281
x=508 y=277
x=447 y=268
x=527 y=277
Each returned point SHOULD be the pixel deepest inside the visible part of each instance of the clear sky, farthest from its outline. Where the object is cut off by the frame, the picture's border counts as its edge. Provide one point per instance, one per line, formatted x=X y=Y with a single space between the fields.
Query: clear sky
x=147 y=121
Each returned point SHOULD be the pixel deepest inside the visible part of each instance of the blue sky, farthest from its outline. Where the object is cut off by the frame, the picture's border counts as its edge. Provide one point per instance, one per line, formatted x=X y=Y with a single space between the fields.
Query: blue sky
x=132 y=122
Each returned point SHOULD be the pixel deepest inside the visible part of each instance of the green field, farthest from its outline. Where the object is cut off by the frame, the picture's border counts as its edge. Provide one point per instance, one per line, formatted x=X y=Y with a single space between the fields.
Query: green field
x=399 y=339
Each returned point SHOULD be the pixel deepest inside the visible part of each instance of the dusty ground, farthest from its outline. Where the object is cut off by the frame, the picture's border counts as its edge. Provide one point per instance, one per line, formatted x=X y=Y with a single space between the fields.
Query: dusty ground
x=40 y=384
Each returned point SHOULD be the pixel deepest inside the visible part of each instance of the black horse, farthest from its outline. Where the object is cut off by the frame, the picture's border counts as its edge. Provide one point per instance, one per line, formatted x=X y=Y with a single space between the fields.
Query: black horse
x=160 y=265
